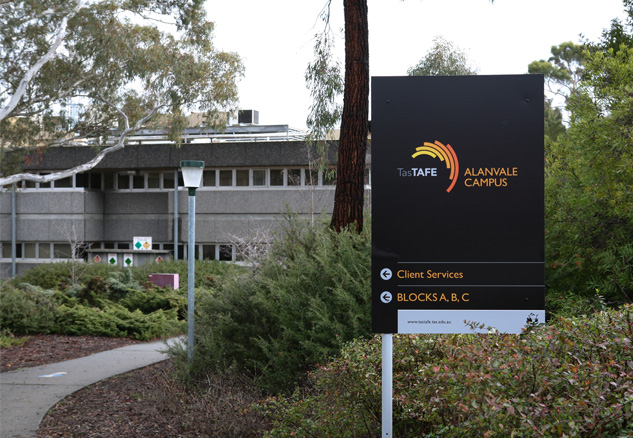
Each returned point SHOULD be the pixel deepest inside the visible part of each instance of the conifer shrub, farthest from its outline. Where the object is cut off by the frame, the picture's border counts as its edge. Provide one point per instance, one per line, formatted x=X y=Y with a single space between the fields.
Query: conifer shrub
x=29 y=310
x=572 y=378
x=292 y=310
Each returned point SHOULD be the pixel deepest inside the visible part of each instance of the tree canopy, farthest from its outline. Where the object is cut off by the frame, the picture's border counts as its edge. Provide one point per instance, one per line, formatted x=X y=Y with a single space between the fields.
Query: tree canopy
x=443 y=59
x=96 y=71
x=563 y=70
x=589 y=178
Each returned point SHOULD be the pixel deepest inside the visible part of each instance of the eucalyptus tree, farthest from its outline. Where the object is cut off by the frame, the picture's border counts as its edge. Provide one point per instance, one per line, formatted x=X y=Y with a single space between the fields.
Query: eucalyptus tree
x=443 y=59
x=120 y=65
x=563 y=70
x=326 y=84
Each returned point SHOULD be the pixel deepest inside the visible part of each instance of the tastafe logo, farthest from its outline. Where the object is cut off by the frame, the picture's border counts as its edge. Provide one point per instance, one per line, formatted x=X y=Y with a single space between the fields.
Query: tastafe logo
x=444 y=153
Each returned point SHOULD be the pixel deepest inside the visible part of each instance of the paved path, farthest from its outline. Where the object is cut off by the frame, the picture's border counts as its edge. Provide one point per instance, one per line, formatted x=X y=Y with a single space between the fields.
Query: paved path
x=26 y=395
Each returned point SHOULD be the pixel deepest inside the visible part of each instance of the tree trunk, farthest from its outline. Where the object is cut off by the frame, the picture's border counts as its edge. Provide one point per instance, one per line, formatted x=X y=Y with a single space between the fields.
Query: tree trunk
x=348 y=199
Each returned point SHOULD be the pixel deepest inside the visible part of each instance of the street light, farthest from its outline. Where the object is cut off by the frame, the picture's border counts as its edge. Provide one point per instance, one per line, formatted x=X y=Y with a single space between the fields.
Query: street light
x=192 y=176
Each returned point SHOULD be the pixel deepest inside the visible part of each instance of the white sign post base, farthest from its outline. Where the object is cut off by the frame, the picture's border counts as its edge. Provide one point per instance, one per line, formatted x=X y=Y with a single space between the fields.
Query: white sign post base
x=387 y=385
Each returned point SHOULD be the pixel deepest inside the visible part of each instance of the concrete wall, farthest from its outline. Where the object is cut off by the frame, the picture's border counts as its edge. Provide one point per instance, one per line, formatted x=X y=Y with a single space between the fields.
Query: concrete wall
x=137 y=214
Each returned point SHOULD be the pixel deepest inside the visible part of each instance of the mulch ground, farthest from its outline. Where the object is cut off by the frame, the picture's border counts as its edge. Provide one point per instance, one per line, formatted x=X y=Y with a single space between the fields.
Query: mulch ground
x=46 y=349
x=148 y=402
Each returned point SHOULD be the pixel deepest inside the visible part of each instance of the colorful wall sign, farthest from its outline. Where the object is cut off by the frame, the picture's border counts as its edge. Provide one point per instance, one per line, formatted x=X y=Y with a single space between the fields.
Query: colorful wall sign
x=457 y=203
x=142 y=243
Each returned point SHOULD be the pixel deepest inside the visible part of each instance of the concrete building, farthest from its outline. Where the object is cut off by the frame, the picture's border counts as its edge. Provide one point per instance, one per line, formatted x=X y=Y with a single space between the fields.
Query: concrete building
x=252 y=174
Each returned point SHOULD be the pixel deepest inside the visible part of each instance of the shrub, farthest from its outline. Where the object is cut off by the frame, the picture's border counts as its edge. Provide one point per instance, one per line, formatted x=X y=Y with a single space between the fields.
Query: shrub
x=114 y=320
x=208 y=273
x=308 y=294
x=573 y=378
x=27 y=311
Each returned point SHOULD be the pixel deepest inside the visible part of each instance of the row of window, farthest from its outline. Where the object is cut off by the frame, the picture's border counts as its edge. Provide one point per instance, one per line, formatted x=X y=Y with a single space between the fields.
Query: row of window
x=51 y=250
x=226 y=178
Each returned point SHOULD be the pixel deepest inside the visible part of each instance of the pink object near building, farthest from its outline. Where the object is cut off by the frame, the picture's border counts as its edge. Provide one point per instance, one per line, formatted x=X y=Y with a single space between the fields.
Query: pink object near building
x=165 y=280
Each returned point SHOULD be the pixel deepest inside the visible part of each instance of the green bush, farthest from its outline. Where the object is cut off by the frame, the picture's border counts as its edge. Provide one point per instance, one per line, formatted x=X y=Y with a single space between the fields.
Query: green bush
x=114 y=320
x=573 y=378
x=29 y=310
x=106 y=301
x=309 y=293
x=208 y=273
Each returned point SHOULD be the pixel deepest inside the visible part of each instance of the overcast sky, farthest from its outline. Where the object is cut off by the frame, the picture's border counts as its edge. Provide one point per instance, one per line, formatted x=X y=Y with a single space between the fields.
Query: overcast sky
x=275 y=39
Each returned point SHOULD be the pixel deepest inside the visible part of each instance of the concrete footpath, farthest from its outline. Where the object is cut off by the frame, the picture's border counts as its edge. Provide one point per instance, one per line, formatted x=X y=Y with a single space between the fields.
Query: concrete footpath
x=27 y=394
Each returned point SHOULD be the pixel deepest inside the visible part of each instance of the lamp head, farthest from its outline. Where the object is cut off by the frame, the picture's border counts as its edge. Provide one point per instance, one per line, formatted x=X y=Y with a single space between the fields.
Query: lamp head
x=192 y=174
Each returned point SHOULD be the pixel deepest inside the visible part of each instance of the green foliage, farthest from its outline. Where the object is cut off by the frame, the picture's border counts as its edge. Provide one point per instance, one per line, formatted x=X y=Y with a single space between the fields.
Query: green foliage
x=26 y=311
x=444 y=59
x=619 y=33
x=563 y=70
x=310 y=293
x=589 y=181
x=208 y=273
x=573 y=378
x=59 y=275
x=554 y=126
x=114 y=320
x=7 y=340
x=109 y=302
x=122 y=60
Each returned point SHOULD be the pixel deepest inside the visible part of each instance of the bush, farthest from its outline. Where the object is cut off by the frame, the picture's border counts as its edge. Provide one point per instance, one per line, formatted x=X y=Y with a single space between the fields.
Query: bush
x=114 y=320
x=308 y=294
x=27 y=311
x=208 y=273
x=573 y=378
x=108 y=301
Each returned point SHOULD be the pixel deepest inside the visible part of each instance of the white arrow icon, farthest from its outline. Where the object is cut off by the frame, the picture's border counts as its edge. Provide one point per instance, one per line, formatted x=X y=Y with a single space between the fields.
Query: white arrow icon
x=386 y=274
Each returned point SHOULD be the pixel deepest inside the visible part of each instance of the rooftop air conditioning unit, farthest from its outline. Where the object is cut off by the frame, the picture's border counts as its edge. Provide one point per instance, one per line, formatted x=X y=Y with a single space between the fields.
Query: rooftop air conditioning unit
x=250 y=117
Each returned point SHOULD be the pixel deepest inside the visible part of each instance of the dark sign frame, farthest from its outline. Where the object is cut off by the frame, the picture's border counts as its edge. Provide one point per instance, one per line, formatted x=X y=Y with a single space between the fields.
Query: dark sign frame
x=457 y=202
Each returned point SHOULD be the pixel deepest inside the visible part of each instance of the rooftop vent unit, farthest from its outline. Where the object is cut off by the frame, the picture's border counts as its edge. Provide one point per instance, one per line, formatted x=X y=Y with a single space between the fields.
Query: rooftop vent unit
x=250 y=117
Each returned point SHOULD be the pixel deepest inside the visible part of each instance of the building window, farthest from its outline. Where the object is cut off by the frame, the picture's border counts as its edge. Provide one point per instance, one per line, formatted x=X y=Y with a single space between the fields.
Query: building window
x=45 y=251
x=294 y=177
x=276 y=177
x=138 y=182
x=30 y=250
x=6 y=250
x=82 y=181
x=226 y=253
x=153 y=180
x=62 y=251
x=64 y=182
x=123 y=181
x=312 y=177
x=241 y=178
x=208 y=178
x=259 y=177
x=208 y=252
x=226 y=178
x=109 y=181
x=168 y=180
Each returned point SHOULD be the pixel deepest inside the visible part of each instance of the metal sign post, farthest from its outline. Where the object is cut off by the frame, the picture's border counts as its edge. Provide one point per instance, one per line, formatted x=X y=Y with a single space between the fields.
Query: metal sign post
x=387 y=385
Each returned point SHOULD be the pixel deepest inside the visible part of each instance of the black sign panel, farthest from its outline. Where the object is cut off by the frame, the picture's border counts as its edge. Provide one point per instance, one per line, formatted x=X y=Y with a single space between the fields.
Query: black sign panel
x=457 y=200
